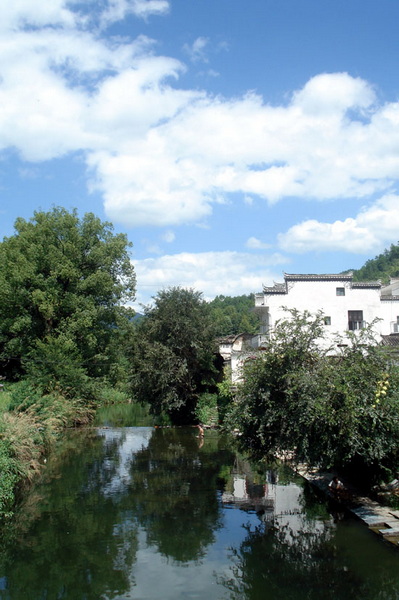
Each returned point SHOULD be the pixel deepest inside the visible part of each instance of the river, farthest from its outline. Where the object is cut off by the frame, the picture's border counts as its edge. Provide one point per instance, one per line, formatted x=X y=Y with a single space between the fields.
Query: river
x=137 y=512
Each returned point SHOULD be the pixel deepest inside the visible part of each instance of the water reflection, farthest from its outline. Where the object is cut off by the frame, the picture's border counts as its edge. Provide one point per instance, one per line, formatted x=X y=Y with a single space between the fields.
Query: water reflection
x=174 y=487
x=78 y=543
x=147 y=513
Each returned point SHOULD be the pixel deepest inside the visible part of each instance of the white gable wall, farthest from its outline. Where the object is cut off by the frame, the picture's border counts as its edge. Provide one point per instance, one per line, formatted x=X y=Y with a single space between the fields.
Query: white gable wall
x=315 y=293
x=390 y=314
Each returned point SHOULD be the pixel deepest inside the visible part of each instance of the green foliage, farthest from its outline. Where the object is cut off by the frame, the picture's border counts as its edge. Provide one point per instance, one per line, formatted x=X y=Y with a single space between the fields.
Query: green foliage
x=107 y=395
x=330 y=411
x=225 y=396
x=27 y=432
x=172 y=354
x=24 y=394
x=382 y=267
x=8 y=480
x=233 y=315
x=63 y=281
x=4 y=401
x=207 y=409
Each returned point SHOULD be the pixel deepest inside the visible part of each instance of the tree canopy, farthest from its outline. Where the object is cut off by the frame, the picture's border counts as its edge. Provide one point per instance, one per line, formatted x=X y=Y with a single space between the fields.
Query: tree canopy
x=328 y=410
x=172 y=357
x=63 y=284
x=234 y=314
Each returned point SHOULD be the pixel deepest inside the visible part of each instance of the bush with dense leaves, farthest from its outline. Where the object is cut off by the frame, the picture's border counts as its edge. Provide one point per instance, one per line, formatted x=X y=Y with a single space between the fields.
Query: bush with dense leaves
x=330 y=410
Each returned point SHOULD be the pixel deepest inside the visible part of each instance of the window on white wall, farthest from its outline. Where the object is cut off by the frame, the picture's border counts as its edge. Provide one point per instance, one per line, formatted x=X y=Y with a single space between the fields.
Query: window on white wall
x=355 y=320
x=327 y=320
x=340 y=291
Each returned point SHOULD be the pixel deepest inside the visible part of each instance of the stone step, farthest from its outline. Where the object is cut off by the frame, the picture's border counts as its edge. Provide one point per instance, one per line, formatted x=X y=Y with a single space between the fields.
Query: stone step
x=390 y=532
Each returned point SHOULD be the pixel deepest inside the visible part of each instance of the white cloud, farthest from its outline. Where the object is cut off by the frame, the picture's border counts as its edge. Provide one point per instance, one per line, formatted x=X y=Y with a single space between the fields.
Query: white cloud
x=118 y=9
x=370 y=231
x=196 y=51
x=253 y=149
x=74 y=13
x=20 y=13
x=169 y=236
x=256 y=244
x=65 y=87
x=211 y=73
x=212 y=273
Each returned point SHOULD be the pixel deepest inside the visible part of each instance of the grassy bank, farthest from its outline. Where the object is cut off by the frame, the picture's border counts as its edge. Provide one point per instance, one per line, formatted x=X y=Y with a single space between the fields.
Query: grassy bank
x=29 y=426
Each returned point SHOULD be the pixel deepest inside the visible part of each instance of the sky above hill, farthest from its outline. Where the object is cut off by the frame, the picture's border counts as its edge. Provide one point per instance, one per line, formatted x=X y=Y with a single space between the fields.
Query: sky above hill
x=230 y=140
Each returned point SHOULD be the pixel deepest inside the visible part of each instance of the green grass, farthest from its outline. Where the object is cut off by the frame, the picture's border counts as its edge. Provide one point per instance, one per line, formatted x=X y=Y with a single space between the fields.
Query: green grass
x=5 y=398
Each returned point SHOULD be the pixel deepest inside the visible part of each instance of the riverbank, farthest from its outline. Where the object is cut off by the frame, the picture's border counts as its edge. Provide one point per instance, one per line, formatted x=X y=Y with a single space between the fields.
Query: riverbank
x=30 y=425
x=380 y=519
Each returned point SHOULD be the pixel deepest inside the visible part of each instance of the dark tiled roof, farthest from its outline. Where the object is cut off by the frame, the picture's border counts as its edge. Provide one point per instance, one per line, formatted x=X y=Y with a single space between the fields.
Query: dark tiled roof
x=389 y=298
x=281 y=288
x=278 y=288
x=318 y=277
x=390 y=340
x=366 y=284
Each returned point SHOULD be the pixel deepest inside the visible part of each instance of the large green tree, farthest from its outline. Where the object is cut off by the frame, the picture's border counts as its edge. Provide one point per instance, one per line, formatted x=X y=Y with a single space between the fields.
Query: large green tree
x=63 y=283
x=172 y=357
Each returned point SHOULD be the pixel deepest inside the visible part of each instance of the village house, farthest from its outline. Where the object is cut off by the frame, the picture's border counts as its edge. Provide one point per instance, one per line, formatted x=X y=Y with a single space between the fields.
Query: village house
x=346 y=305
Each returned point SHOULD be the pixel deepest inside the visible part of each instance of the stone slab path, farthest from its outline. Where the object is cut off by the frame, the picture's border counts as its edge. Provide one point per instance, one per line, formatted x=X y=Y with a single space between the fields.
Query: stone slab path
x=380 y=519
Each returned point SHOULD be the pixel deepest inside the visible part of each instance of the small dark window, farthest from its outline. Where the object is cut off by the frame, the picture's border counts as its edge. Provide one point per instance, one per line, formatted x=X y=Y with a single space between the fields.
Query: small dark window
x=355 y=320
x=327 y=320
x=340 y=291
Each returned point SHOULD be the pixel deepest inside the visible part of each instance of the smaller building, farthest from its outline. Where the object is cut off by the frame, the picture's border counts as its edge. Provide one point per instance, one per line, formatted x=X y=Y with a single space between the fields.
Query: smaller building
x=235 y=350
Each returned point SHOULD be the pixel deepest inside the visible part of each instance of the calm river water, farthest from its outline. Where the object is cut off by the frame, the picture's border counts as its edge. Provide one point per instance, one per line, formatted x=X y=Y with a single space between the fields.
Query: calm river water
x=146 y=514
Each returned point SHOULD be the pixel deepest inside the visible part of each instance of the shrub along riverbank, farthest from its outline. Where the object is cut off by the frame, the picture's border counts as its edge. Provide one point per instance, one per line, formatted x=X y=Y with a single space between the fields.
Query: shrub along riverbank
x=30 y=424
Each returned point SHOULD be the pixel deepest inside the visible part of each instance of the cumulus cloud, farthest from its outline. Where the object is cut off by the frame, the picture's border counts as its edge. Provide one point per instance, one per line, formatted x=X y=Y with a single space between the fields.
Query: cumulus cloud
x=212 y=273
x=117 y=10
x=68 y=88
x=369 y=231
x=21 y=13
x=73 y=13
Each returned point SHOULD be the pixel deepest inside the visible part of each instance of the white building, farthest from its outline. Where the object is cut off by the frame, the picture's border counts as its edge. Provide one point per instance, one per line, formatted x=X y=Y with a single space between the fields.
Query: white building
x=347 y=305
x=235 y=349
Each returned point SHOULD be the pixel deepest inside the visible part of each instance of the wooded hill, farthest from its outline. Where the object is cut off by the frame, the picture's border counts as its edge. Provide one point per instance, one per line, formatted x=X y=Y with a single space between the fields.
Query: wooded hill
x=384 y=266
x=234 y=314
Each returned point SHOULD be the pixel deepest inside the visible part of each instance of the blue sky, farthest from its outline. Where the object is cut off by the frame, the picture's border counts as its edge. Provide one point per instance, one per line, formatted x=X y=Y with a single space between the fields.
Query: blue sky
x=231 y=141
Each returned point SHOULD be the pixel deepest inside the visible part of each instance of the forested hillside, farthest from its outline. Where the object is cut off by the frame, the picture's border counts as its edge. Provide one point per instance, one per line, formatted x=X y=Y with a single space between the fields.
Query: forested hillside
x=382 y=267
x=234 y=314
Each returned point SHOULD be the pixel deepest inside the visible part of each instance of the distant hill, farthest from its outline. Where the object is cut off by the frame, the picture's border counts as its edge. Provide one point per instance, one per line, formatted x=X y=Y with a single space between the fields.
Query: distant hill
x=138 y=317
x=234 y=314
x=382 y=267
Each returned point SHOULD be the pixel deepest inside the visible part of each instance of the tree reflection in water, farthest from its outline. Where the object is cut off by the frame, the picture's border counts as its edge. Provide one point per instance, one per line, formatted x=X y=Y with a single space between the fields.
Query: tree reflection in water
x=278 y=563
x=69 y=539
x=174 y=486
